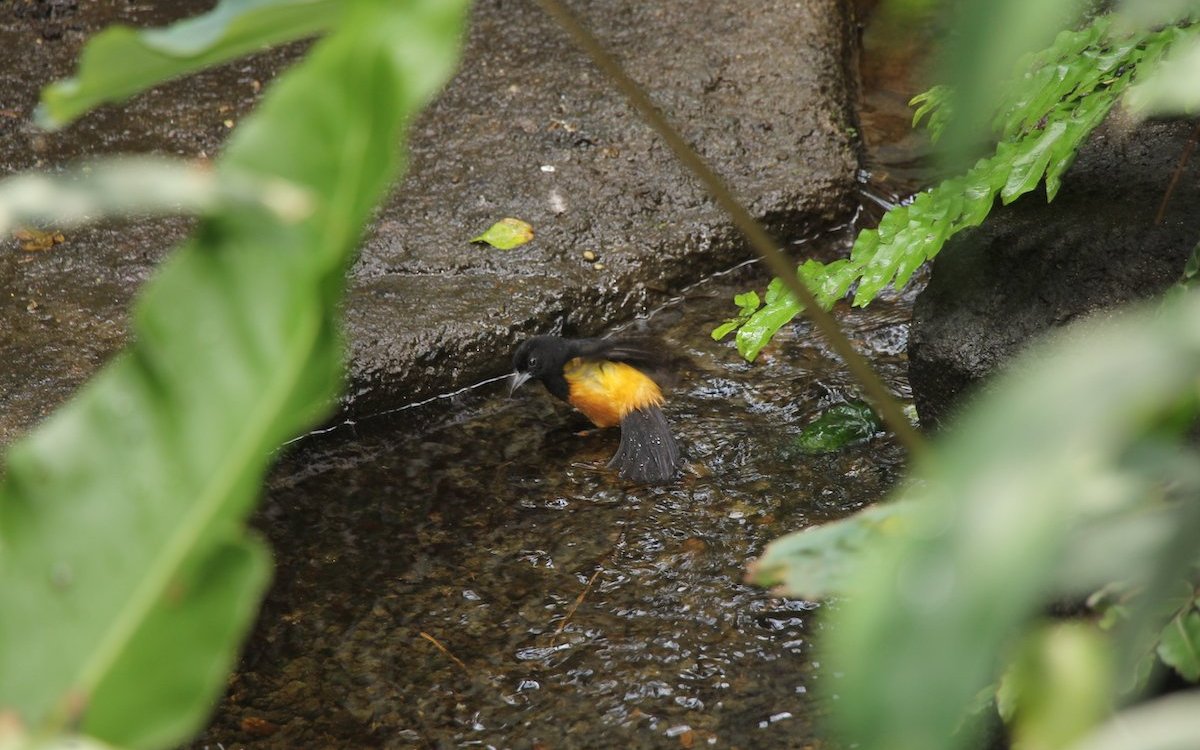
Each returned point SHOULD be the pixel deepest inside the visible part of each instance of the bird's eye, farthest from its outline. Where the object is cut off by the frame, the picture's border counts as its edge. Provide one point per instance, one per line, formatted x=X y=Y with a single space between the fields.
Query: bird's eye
x=532 y=362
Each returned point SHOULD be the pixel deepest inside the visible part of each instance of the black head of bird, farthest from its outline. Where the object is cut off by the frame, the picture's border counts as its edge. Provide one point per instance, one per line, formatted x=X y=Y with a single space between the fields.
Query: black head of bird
x=612 y=382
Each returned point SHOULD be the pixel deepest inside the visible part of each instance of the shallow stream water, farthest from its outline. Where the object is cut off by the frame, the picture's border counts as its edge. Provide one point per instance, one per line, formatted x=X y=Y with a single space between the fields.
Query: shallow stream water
x=469 y=573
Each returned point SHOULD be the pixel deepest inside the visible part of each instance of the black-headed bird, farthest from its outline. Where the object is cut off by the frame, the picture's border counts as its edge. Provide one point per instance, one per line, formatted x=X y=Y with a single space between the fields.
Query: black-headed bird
x=612 y=382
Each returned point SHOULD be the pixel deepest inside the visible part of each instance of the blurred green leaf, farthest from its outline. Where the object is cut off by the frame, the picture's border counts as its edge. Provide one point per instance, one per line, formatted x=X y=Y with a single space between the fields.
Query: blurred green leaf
x=13 y=739
x=815 y=563
x=1179 y=644
x=120 y=62
x=506 y=234
x=1171 y=723
x=1145 y=14
x=144 y=186
x=982 y=57
x=838 y=426
x=1059 y=686
x=936 y=105
x=200 y=617
x=990 y=516
x=121 y=517
x=1172 y=88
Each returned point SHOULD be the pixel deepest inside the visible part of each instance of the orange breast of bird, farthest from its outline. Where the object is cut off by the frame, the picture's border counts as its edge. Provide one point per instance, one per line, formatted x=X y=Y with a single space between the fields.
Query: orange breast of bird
x=607 y=391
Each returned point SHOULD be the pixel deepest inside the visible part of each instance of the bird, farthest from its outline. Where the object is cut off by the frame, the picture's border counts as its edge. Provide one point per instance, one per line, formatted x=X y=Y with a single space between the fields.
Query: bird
x=612 y=382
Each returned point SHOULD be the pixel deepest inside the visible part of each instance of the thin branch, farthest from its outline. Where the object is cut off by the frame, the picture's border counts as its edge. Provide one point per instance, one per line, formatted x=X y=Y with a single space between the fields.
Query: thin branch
x=438 y=645
x=1183 y=160
x=574 y=606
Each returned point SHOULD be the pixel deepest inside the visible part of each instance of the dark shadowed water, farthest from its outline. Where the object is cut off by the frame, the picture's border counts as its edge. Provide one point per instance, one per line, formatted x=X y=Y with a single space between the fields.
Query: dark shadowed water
x=470 y=574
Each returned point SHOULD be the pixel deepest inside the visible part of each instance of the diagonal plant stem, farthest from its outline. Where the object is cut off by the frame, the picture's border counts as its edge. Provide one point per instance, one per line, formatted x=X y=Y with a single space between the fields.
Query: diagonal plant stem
x=878 y=393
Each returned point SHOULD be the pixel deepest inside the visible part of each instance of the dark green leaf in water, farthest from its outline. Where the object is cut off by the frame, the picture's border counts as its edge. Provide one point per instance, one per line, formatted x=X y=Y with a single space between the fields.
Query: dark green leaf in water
x=1179 y=644
x=506 y=234
x=120 y=62
x=838 y=426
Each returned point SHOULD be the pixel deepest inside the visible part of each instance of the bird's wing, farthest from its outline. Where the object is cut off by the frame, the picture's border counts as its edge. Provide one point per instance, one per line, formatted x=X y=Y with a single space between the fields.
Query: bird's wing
x=646 y=354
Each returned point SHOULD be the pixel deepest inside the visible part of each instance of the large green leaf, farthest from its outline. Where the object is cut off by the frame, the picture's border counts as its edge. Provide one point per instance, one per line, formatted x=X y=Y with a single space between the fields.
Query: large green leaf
x=206 y=610
x=1069 y=433
x=120 y=62
x=121 y=517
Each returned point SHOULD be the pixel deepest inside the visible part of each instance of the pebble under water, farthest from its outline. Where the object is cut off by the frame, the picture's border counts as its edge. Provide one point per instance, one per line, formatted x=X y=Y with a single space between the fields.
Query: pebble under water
x=471 y=574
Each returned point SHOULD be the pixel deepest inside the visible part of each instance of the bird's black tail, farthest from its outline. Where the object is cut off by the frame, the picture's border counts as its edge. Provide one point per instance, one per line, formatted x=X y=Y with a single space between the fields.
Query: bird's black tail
x=648 y=454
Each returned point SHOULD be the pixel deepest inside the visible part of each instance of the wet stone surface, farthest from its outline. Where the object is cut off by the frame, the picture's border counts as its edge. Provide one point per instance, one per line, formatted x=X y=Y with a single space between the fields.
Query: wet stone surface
x=527 y=129
x=65 y=309
x=574 y=612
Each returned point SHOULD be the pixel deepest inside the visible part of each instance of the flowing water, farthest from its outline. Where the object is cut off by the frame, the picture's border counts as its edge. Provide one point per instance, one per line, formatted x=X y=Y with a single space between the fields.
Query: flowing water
x=469 y=572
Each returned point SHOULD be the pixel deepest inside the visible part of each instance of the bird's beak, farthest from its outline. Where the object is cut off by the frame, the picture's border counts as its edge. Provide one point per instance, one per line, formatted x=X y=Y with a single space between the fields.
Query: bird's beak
x=516 y=380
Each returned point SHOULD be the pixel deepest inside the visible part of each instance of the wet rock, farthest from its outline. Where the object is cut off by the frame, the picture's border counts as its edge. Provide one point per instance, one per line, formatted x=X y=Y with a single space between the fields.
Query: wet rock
x=528 y=129
x=1032 y=267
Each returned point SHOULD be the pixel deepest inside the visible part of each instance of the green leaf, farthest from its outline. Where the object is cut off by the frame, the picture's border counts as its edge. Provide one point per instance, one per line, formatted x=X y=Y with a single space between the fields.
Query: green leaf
x=758 y=331
x=145 y=186
x=203 y=613
x=815 y=563
x=1172 y=88
x=1059 y=686
x=136 y=492
x=726 y=328
x=506 y=234
x=828 y=283
x=838 y=426
x=120 y=62
x=936 y=103
x=12 y=738
x=989 y=41
x=747 y=301
x=928 y=614
x=1179 y=644
x=1027 y=169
